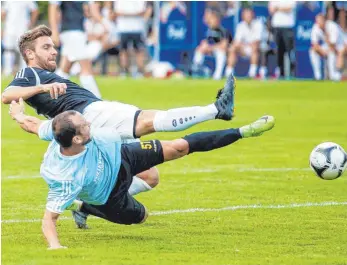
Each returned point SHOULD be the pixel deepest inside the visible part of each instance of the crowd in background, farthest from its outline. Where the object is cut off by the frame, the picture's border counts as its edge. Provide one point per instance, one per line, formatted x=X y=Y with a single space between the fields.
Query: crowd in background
x=89 y=34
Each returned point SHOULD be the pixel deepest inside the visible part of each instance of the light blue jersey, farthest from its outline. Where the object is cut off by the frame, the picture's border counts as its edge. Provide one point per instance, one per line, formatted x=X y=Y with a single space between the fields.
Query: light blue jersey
x=89 y=176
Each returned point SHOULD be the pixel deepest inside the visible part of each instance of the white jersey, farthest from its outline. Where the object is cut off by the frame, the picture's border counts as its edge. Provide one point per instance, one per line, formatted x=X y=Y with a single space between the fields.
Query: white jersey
x=18 y=16
x=248 y=33
x=281 y=19
x=332 y=32
x=130 y=24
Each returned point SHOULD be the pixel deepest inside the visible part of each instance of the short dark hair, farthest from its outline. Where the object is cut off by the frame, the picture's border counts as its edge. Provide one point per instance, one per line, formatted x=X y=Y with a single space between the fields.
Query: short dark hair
x=64 y=129
x=27 y=40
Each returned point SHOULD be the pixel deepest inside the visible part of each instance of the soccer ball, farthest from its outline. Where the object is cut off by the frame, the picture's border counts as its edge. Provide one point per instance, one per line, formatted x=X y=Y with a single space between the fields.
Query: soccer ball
x=328 y=160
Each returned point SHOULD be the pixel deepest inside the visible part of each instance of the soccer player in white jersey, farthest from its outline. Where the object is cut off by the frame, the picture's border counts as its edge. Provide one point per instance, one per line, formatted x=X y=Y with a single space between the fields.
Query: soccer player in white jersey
x=131 y=26
x=73 y=38
x=94 y=166
x=215 y=43
x=50 y=94
x=327 y=43
x=101 y=37
x=17 y=17
x=249 y=34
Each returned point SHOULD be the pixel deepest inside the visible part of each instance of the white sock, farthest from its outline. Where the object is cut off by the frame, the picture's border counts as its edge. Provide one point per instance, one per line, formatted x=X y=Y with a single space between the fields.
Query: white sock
x=180 y=119
x=198 y=58
x=9 y=58
x=252 y=70
x=220 y=63
x=229 y=70
x=88 y=82
x=331 y=65
x=138 y=185
x=62 y=73
x=316 y=64
x=277 y=71
x=263 y=72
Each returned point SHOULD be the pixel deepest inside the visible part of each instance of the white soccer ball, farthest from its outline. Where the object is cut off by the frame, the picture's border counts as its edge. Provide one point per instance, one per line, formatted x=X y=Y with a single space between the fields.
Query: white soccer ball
x=328 y=160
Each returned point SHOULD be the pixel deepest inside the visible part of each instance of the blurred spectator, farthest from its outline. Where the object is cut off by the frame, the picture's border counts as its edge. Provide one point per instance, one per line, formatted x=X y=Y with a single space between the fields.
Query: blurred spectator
x=267 y=48
x=18 y=18
x=73 y=38
x=283 y=22
x=328 y=43
x=248 y=38
x=131 y=27
x=342 y=8
x=216 y=43
x=101 y=36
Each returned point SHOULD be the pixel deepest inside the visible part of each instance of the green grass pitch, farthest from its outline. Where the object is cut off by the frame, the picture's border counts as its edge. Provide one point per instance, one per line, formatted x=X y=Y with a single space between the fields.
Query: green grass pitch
x=266 y=171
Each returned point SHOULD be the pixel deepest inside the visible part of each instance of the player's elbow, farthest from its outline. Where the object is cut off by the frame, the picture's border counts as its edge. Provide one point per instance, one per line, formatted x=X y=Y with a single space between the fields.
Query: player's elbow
x=5 y=98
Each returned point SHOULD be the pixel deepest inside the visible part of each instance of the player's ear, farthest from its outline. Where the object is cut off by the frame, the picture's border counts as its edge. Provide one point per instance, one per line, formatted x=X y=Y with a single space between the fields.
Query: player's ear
x=77 y=139
x=30 y=54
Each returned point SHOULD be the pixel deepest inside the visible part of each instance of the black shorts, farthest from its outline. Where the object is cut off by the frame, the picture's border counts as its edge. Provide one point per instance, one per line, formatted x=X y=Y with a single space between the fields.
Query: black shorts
x=135 y=40
x=121 y=207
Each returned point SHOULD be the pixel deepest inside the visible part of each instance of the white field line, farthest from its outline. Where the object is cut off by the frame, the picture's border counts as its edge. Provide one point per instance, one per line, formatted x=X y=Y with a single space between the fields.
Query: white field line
x=196 y=170
x=193 y=210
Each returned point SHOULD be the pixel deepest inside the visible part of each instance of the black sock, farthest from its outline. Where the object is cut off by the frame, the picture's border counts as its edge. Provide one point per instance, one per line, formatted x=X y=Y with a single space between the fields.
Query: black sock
x=207 y=141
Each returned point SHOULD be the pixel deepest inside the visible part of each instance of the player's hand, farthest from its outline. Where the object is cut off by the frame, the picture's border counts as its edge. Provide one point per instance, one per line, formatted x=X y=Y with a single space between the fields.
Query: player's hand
x=55 y=89
x=16 y=108
x=56 y=247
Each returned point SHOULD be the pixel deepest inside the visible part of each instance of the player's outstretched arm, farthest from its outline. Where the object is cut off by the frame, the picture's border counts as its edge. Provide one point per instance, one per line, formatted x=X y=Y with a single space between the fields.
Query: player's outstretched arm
x=17 y=92
x=27 y=123
x=49 y=229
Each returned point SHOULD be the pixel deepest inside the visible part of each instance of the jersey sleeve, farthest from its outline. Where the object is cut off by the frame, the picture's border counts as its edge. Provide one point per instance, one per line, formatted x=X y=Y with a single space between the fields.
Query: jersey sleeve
x=61 y=195
x=105 y=135
x=23 y=78
x=46 y=131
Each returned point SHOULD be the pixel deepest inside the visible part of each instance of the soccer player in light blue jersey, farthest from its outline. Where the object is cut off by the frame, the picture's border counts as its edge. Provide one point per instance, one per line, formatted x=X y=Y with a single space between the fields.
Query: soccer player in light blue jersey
x=94 y=166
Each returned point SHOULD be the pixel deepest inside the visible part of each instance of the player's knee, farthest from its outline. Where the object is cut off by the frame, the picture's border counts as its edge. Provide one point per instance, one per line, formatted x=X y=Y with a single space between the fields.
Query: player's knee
x=151 y=177
x=145 y=216
x=144 y=123
x=181 y=146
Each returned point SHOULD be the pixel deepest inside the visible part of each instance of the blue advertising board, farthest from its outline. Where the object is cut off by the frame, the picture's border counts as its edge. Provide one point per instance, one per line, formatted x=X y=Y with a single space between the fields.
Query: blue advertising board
x=181 y=28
